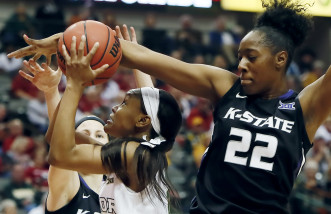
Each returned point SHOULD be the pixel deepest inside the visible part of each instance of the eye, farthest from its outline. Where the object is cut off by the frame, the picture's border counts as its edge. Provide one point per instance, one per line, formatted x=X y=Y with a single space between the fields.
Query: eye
x=251 y=58
x=99 y=136
x=123 y=103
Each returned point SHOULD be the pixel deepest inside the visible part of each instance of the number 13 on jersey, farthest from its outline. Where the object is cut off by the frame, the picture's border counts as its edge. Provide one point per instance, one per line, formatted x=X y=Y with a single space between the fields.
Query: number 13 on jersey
x=258 y=151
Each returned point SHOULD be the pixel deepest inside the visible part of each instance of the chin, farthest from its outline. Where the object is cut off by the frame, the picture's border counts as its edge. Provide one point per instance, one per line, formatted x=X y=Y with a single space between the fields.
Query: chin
x=107 y=129
x=248 y=90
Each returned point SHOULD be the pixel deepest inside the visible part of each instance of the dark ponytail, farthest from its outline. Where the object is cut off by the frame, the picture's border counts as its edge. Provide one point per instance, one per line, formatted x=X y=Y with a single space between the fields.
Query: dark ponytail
x=154 y=161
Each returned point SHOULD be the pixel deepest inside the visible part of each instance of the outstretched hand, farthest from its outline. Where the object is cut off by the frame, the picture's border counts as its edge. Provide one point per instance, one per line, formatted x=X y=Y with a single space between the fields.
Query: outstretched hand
x=78 y=69
x=126 y=35
x=142 y=79
x=43 y=77
x=37 y=48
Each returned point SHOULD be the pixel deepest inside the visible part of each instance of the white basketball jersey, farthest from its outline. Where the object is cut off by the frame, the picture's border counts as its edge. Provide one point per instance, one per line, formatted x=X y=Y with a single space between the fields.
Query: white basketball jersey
x=116 y=198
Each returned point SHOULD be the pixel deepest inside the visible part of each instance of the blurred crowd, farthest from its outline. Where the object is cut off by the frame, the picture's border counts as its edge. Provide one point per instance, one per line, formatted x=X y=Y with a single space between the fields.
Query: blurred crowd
x=24 y=121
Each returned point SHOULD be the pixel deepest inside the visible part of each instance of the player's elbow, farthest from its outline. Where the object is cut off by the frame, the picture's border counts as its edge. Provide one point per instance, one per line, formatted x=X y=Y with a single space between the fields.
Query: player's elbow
x=52 y=159
x=55 y=159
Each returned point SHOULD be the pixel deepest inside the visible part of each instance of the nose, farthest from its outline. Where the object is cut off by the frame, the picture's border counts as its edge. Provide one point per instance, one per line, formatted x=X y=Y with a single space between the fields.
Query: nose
x=242 y=67
x=114 y=109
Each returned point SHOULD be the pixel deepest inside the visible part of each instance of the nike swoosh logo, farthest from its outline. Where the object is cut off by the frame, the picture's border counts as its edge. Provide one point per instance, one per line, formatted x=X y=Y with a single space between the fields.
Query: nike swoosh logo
x=86 y=196
x=239 y=96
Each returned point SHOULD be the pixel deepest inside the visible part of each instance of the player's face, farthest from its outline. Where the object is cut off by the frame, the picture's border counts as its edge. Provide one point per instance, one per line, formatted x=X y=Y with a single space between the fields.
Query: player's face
x=94 y=129
x=124 y=117
x=257 y=65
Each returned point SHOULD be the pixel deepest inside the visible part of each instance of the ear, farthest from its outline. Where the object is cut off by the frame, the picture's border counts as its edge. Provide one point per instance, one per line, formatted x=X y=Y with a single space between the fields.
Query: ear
x=281 y=60
x=143 y=120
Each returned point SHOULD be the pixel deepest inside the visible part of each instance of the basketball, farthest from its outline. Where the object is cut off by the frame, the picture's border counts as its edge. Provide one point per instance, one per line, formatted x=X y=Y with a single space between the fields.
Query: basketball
x=109 y=51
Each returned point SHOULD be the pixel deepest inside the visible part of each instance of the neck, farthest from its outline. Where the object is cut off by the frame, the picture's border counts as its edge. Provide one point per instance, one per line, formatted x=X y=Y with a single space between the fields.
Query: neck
x=140 y=134
x=278 y=88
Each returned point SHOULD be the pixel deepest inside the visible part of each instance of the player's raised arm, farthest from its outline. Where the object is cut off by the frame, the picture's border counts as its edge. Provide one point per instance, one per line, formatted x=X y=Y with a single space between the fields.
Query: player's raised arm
x=197 y=79
x=142 y=79
x=316 y=103
x=64 y=152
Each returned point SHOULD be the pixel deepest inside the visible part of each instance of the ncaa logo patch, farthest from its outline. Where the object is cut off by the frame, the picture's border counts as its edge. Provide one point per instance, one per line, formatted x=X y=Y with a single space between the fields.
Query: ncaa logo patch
x=287 y=106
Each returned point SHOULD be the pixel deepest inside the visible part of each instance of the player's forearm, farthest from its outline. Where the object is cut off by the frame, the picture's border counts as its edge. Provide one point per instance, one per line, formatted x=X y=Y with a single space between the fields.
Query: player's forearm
x=52 y=100
x=142 y=79
x=152 y=63
x=63 y=136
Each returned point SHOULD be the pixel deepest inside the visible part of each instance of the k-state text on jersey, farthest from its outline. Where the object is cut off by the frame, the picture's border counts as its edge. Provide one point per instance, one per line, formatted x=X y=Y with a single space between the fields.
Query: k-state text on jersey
x=271 y=122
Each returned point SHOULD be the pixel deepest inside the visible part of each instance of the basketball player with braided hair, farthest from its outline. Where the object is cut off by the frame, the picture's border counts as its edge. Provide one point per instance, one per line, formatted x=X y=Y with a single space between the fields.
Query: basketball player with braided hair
x=262 y=129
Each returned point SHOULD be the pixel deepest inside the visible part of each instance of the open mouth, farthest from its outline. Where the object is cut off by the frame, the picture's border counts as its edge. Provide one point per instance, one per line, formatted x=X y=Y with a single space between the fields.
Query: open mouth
x=110 y=120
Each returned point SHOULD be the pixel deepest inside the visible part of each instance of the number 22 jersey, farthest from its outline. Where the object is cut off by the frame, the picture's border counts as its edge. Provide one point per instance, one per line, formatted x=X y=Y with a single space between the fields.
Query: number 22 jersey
x=257 y=150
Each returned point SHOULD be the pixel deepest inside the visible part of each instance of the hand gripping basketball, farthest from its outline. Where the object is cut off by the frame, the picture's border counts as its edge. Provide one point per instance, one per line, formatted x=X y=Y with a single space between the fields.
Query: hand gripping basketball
x=109 y=51
x=78 y=67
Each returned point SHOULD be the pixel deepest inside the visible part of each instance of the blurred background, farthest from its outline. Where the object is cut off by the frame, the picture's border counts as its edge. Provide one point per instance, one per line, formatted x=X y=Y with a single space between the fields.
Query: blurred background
x=196 y=31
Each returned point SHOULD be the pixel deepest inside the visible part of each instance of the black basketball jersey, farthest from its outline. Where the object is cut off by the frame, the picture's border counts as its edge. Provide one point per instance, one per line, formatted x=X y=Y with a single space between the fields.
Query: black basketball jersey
x=257 y=150
x=85 y=201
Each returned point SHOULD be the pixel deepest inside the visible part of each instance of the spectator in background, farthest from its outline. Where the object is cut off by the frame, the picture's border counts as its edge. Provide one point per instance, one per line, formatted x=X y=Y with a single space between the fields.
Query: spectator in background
x=75 y=17
x=8 y=206
x=19 y=190
x=17 y=143
x=155 y=38
x=91 y=99
x=312 y=75
x=3 y=113
x=188 y=39
x=19 y=23
x=320 y=153
x=40 y=209
x=325 y=131
x=199 y=139
x=37 y=112
x=9 y=66
x=36 y=175
x=124 y=78
x=22 y=88
x=109 y=19
x=293 y=82
x=222 y=41
x=6 y=164
x=202 y=110
x=293 y=70
x=199 y=59
x=50 y=18
x=306 y=60
x=81 y=14
x=307 y=197
x=327 y=199
x=88 y=13
x=110 y=90
x=182 y=99
x=220 y=61
x=182 y=170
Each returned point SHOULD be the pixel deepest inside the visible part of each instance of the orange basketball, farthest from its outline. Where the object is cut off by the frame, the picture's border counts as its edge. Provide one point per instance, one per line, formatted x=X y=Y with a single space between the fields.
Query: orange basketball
x=109 y=51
